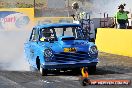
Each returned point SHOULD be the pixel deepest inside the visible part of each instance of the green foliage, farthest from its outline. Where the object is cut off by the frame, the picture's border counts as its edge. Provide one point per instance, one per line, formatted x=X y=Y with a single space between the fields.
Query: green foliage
x=22 y=3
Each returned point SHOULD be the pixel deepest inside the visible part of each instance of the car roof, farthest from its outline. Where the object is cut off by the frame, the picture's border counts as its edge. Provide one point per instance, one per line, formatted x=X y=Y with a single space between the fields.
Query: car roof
x=56 y=25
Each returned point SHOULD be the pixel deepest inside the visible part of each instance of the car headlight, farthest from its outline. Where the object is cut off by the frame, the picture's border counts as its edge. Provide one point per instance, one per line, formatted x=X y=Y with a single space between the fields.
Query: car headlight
x=48 y=53
x=93 y=50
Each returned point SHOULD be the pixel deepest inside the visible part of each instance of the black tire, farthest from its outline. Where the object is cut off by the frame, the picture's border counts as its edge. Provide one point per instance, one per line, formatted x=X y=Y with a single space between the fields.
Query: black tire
x=76 y=70
x=43 y=71
x=92 y=69
x=38 y=63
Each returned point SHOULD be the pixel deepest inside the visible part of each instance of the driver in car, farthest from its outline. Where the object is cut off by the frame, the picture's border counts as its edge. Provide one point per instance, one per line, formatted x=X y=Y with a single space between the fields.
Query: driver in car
x=46 y=35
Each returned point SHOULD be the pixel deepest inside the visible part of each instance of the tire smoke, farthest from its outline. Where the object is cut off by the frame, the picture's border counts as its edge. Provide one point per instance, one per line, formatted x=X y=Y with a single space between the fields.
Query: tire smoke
x=12 y=50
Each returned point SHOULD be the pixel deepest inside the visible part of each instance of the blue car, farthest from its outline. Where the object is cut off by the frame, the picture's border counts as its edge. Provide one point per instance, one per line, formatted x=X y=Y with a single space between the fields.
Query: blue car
x=60 y=46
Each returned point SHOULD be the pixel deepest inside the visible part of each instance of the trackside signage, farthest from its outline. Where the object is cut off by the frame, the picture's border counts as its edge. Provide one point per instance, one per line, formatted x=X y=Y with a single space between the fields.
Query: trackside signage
x=8 y=19
x=110 y=82
x=16 y=18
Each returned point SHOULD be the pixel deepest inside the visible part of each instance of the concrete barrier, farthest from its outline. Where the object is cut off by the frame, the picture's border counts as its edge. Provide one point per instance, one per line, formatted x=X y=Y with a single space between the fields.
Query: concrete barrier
x=115 y=41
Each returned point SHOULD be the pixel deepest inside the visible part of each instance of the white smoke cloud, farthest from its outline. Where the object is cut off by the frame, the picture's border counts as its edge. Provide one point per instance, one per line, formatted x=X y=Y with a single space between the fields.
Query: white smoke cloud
x=107 y=6
x=12 y=51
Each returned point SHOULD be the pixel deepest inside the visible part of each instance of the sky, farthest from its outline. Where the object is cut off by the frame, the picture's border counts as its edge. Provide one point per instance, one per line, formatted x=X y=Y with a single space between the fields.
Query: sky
x=109 y=6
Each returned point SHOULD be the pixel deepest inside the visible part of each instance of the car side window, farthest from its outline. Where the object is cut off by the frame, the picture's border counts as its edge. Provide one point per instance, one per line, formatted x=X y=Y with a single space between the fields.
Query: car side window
x=34 y=35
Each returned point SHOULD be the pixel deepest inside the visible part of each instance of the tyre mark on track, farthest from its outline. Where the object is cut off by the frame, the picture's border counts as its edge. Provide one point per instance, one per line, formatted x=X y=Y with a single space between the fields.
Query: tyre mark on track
x=7 y=82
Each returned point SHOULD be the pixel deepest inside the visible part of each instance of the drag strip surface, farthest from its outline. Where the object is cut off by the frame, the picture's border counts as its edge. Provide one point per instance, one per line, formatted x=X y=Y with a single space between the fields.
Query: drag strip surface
x=110 y=67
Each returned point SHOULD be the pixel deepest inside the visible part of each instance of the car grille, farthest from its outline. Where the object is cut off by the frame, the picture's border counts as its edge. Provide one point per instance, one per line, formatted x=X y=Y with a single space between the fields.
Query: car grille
x=77 y=56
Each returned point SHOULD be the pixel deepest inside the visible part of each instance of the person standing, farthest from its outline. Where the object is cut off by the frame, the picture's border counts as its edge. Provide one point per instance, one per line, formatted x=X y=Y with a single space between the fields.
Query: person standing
x=121 y=18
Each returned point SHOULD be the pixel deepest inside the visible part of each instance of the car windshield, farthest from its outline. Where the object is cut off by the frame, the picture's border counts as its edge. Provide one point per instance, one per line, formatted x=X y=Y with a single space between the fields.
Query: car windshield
x=63 y=31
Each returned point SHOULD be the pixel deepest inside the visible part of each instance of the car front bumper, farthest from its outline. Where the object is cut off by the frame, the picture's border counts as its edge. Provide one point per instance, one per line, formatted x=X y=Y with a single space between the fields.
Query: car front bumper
x=70 y=64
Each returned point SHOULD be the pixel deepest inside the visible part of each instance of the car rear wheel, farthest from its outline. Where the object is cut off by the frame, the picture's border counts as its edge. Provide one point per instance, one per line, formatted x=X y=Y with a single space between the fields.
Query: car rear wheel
x=76 y=71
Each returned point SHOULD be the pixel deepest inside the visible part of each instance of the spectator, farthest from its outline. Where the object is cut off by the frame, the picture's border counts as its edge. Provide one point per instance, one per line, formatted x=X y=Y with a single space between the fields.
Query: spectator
x=121 y=18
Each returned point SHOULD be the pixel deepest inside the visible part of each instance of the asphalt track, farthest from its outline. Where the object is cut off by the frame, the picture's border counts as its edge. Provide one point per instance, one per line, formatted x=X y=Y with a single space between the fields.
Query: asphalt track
x=107 y=69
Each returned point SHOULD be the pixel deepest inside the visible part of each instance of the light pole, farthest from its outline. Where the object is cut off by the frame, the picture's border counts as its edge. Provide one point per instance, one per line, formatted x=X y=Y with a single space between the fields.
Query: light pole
x=68 y=8
x=34 y=6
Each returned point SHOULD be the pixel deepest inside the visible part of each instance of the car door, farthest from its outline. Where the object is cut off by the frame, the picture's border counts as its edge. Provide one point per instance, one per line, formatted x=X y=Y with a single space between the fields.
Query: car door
x=33 y=46
x=27 y=48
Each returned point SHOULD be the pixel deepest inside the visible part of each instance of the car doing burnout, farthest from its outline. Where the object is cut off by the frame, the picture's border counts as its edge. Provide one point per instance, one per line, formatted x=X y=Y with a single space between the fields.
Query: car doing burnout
x=60 y=46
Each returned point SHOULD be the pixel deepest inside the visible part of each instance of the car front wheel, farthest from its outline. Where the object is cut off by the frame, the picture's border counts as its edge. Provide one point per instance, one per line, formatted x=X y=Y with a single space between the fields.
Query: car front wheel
x=43 y=71
x=92 y=69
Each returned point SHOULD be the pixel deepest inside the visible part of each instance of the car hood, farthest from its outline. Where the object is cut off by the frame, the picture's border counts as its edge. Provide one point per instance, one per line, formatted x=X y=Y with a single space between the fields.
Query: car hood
x=58 y=46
